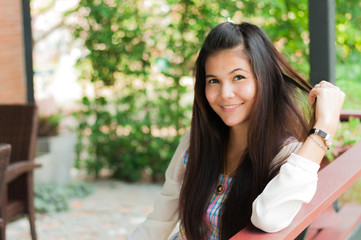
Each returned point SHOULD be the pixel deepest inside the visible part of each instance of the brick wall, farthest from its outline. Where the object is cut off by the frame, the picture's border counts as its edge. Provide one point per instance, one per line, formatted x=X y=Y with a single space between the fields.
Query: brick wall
x=12 y=57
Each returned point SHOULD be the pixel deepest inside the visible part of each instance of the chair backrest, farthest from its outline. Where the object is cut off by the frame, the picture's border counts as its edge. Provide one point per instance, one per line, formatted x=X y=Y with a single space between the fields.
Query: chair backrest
x=4 y=161
x=18 y=127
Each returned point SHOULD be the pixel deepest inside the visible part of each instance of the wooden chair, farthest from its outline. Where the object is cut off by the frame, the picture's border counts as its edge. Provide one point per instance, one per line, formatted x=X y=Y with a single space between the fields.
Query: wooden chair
x=320 y=219
x=18 y=127
x=4 y=161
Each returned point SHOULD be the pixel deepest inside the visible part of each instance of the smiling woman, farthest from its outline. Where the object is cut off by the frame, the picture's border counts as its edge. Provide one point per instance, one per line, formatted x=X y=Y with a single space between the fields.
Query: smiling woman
x=230 y=86
x=250 y=157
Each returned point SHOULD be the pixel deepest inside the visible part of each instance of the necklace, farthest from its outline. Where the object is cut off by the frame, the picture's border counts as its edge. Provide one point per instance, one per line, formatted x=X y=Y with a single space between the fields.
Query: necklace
x=220 y=188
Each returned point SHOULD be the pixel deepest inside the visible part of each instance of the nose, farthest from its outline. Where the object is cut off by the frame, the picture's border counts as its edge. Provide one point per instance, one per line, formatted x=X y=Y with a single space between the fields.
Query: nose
x=227 y=91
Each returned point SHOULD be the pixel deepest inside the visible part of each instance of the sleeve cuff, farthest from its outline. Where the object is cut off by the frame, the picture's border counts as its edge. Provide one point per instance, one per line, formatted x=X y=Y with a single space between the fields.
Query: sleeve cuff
x=303 y=163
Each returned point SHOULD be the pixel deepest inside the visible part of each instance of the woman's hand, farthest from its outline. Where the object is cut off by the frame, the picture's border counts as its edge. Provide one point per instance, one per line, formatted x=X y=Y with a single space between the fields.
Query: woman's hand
x=329 y=100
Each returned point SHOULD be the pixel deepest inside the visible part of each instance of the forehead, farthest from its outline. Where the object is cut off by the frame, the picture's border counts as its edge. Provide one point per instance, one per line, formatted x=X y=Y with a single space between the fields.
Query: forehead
x=227 y=60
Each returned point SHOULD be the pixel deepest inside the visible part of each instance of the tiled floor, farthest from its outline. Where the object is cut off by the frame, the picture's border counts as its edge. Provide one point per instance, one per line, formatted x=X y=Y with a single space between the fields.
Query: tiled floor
x=110 y=213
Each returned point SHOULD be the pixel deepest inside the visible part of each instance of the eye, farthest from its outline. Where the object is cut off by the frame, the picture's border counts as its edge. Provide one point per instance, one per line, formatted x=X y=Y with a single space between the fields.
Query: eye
x=239 y=77
x=213 y=81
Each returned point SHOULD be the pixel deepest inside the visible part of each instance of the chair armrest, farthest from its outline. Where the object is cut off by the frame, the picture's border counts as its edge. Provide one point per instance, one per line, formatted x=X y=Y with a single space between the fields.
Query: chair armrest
x=334 y=179
x=16 y=169
x=346 y=114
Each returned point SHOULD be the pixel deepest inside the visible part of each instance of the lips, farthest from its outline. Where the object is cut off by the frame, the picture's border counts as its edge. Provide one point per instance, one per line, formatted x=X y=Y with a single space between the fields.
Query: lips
x=230 y=107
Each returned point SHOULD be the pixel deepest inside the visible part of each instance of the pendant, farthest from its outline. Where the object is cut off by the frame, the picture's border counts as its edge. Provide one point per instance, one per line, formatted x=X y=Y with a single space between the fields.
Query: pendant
x=220 y=189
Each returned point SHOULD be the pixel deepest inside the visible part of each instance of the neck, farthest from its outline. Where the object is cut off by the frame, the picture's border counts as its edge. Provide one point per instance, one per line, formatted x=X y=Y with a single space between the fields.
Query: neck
x=237 y=139
x=237 y=143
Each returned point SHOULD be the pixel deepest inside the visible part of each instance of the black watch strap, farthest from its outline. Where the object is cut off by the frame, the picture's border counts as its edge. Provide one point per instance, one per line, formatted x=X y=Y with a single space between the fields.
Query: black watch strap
x=318 y=132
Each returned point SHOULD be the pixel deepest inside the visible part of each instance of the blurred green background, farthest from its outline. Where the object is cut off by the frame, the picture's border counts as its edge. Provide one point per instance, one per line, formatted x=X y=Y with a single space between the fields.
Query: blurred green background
x=139 y=59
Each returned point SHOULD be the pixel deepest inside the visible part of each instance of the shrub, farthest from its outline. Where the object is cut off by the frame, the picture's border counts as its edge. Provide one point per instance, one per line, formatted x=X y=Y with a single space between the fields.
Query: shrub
x=53 y=197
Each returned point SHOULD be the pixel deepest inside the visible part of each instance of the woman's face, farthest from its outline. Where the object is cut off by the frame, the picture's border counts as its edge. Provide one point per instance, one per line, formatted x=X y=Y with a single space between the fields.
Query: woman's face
x=230 y=86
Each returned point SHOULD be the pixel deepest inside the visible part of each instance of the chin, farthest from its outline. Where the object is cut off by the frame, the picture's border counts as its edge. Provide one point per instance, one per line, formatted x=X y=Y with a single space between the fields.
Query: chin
x=235 y=123
x=231 y=124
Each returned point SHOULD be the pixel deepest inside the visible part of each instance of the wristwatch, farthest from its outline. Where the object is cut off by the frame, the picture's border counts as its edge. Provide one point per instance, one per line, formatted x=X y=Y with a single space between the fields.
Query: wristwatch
x=326 y=137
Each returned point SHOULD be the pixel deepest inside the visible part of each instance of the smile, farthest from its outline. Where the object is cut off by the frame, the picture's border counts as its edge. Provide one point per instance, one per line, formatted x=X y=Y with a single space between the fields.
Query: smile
x=229 y=107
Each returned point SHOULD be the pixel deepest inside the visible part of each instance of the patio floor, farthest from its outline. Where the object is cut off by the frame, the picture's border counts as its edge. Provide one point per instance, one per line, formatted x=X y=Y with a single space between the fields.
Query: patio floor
x=111 y=212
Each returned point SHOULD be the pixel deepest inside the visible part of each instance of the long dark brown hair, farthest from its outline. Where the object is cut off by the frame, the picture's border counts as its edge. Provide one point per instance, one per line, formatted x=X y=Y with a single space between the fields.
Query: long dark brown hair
x=279 y=112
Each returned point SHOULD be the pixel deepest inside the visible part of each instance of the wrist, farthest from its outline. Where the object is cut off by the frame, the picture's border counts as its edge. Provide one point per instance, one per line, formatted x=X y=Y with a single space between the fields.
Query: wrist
x=328 y=128
x=319 y=141
x=325 y=136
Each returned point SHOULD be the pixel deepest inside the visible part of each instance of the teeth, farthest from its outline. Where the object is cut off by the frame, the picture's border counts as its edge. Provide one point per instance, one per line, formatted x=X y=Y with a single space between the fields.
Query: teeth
x=230 y=107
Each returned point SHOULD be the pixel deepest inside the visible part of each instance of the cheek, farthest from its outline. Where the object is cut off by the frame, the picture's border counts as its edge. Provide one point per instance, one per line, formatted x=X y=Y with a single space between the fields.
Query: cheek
x=209 y=95
x=249 y=92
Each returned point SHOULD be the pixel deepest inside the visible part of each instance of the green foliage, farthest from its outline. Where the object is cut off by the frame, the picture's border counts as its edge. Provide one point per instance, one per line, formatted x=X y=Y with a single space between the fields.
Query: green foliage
x=49 y=125
x=140 y=56
x=348 y=49
x=79 y=190
x=53 y=197
x=348 y=32
x=348 y=76
x=119 y=132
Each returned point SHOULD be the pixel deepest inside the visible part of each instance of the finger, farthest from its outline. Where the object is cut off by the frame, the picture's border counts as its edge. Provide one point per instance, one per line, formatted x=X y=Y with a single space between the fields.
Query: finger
x=313 y=95
x=324 y=83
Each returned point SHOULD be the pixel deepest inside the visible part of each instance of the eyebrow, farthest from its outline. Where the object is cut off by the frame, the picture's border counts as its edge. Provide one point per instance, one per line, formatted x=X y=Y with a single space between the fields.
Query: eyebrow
x=234 y=70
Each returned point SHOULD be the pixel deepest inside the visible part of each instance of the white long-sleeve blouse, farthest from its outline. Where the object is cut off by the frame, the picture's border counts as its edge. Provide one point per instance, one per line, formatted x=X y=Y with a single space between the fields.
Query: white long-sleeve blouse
x=273 y=210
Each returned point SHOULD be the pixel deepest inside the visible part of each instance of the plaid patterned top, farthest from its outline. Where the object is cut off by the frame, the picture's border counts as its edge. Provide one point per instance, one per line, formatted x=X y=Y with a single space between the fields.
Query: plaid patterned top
x=215 y=206
x=296 y=183
x=214 y=209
